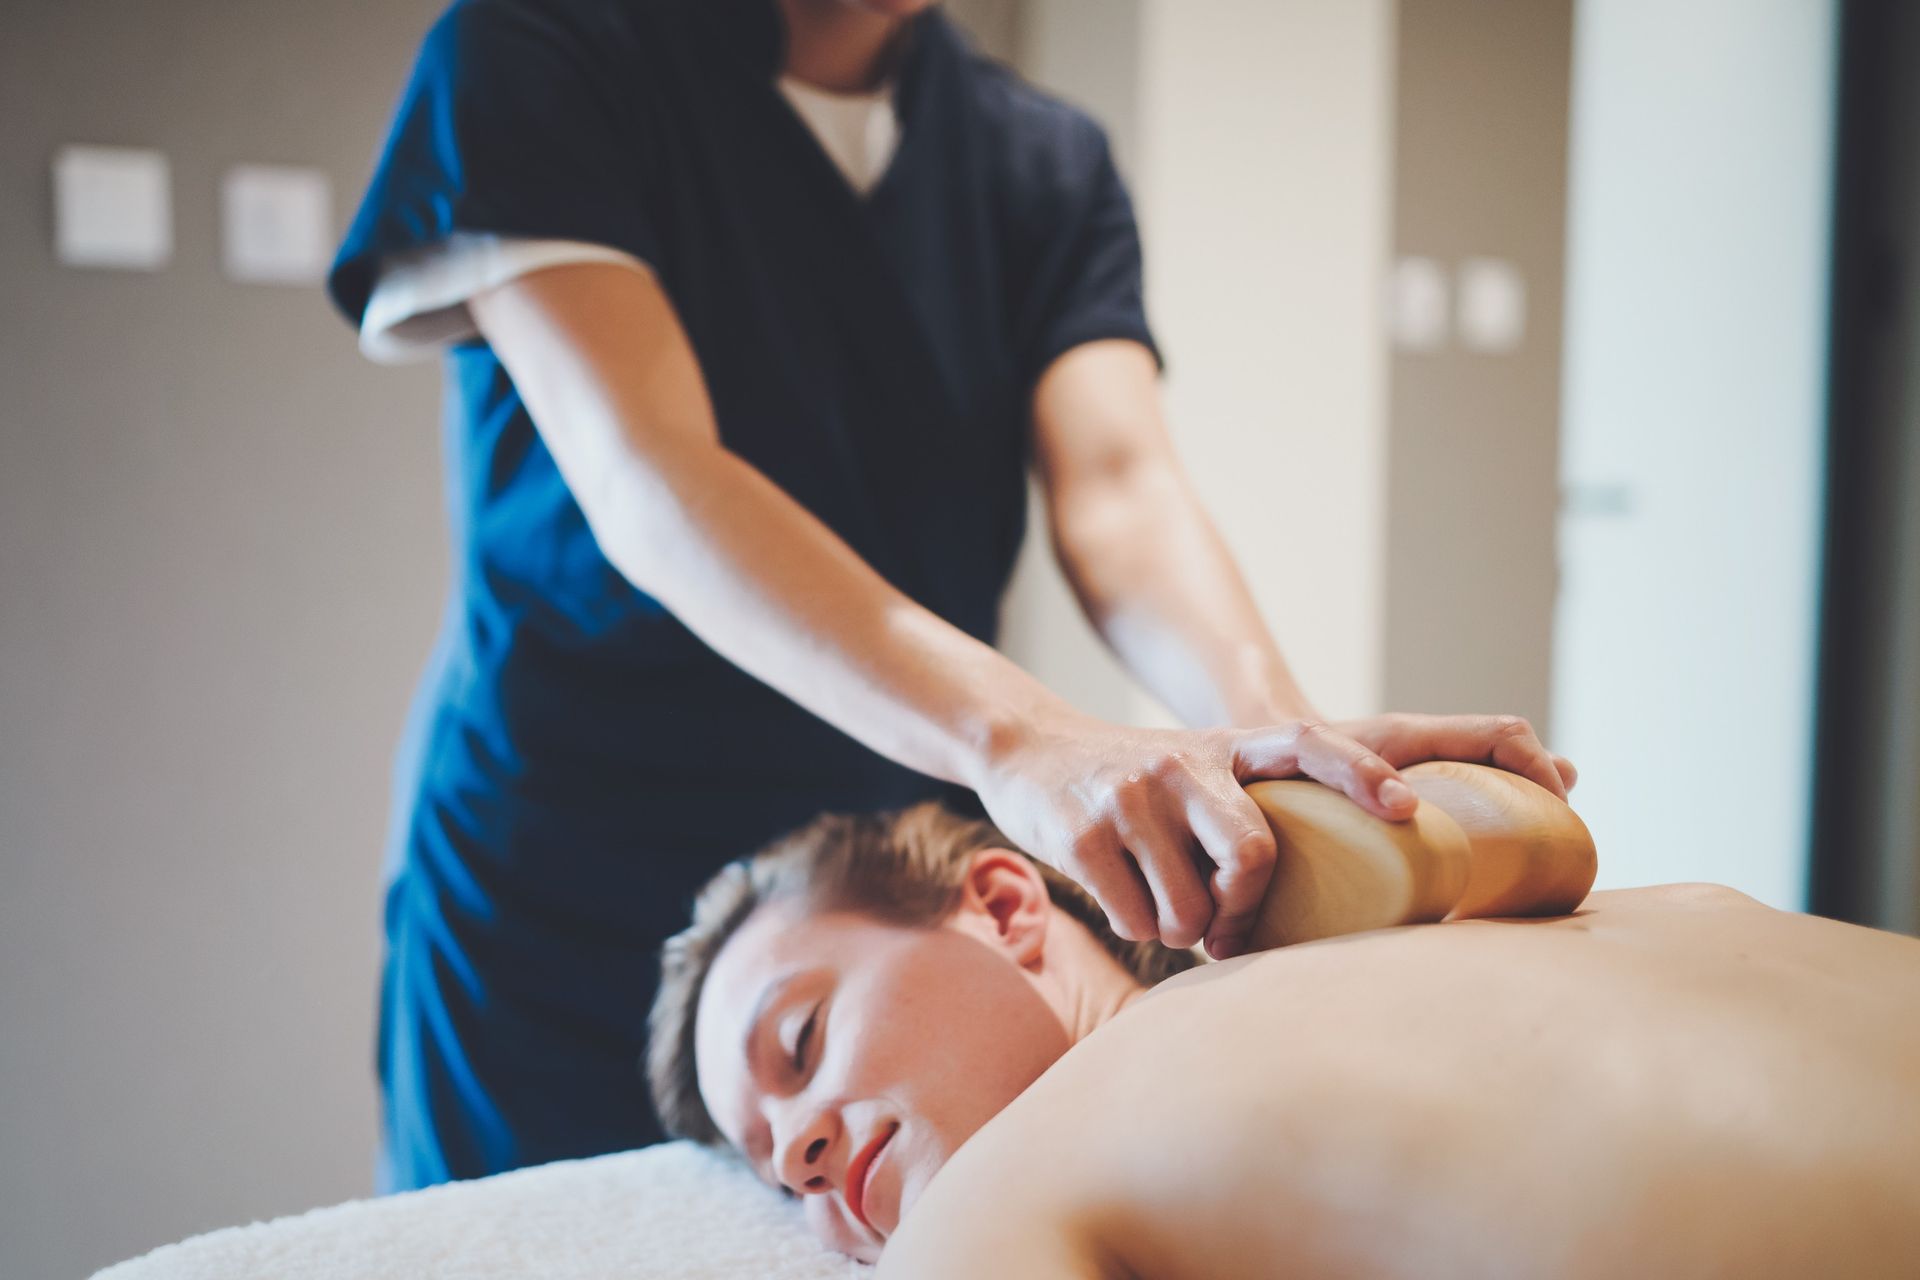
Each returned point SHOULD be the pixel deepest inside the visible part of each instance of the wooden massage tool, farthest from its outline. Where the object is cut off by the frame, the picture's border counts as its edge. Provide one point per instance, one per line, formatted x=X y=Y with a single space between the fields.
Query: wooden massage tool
x=1483 y=842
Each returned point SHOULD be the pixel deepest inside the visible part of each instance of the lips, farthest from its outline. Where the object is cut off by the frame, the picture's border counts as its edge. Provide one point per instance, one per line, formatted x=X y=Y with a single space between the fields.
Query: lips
x=858 y=1172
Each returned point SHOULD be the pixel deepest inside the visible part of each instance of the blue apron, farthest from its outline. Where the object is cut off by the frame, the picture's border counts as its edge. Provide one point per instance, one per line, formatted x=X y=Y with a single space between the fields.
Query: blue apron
x=578 y=762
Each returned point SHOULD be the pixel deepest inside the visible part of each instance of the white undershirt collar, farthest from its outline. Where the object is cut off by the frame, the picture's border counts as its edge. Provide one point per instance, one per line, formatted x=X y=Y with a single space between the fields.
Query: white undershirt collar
x=859 y=131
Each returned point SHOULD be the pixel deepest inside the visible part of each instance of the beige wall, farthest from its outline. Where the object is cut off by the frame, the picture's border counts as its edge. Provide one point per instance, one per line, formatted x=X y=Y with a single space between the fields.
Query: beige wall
x=1472 y=462
x=1265 y=137
x=1256 y=136
x=221 y=561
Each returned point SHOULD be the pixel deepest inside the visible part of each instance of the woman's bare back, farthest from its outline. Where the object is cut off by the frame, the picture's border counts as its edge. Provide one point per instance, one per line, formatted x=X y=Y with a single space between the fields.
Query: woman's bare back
x=1670 y=1081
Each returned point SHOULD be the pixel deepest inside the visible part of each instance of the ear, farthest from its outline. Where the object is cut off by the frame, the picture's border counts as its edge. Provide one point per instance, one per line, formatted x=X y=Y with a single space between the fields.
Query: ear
x=1004 y=902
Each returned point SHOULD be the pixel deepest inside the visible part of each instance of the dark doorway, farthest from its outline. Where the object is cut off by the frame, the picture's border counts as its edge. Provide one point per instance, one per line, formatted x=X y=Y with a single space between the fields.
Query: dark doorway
x=1866 y=831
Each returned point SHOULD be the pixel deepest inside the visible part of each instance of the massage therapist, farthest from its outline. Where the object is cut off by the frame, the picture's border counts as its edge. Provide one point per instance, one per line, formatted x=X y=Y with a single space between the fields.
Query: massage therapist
x=753 y=315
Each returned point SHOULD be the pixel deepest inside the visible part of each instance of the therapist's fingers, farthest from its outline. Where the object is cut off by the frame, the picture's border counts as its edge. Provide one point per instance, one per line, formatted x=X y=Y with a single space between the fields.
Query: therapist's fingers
x=1163 y=848
x=1326 y=755
x=1568 y=774
x=1240 y=844
x=1099 y=863
x=1506 y=742
x=1518 y=749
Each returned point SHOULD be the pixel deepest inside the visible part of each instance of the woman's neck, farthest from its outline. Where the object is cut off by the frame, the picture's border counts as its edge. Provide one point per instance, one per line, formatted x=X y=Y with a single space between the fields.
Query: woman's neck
x=837 y=46
x=1089 y=987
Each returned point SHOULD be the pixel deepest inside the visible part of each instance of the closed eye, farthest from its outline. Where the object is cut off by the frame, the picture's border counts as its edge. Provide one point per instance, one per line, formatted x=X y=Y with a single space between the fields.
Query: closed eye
x=801 y=1041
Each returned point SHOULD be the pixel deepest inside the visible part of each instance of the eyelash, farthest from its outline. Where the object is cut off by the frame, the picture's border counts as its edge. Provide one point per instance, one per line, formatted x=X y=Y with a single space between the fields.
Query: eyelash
x=800 y=1041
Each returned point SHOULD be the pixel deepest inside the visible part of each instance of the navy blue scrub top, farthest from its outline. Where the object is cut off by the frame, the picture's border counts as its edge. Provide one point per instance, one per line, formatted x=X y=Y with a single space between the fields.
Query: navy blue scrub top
x=579 y=763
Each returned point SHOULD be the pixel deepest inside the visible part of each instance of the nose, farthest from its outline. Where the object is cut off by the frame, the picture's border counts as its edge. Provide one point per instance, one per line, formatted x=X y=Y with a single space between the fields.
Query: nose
x=803 y=1153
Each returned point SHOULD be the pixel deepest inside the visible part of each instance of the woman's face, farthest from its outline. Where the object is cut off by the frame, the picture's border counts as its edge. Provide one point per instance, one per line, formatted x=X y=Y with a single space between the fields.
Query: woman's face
x=848 y=1059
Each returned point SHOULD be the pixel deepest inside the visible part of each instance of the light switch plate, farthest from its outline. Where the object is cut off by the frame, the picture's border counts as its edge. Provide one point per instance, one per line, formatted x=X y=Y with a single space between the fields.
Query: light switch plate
x=278 y=224
x=113 y=207
x=1417 y=304
x=1493 y=305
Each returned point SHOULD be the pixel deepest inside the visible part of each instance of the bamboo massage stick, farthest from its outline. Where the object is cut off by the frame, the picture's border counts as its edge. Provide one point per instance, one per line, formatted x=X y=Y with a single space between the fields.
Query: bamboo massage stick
x=1483 y=842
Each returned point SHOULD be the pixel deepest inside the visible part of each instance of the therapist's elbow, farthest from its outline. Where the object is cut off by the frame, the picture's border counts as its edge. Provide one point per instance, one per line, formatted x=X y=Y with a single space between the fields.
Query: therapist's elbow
x=643 y=508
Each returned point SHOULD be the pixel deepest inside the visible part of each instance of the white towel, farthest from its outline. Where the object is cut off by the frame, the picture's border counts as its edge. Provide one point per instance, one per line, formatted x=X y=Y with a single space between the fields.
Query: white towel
x=671 y=1212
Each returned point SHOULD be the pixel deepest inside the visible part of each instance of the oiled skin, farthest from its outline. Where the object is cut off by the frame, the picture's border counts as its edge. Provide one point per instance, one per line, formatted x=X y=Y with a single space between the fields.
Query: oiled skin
x=1673 y=1081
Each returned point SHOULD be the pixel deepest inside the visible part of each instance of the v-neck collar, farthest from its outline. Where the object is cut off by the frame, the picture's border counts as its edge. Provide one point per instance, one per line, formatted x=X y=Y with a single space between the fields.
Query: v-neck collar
x=844 y=125
x=754 y=37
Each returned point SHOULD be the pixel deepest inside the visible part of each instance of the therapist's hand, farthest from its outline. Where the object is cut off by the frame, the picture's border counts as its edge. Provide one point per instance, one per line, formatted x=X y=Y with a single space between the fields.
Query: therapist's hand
x=1505 y=742
x=1158 y=827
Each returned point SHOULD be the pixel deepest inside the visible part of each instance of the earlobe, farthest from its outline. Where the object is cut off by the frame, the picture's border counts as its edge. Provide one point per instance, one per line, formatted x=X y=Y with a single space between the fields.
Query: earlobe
x=1007 y=891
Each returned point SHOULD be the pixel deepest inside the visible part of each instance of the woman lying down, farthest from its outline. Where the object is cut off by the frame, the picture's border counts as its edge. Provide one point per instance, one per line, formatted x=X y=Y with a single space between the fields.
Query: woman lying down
x=940 y=1047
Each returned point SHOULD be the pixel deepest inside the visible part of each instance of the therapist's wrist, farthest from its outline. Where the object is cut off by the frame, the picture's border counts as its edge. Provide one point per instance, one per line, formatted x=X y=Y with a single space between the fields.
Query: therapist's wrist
x=1259 y=713
x=1007 y=727
x=1266 y=694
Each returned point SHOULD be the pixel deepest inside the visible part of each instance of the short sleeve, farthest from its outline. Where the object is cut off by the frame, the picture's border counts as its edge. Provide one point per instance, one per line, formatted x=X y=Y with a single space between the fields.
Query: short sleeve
x=1081 y=278
x=513 y=124
x=419 y=302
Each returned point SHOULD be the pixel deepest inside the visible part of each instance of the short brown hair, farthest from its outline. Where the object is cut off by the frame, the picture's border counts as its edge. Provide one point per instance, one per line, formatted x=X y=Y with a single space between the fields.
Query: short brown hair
x=904 y=867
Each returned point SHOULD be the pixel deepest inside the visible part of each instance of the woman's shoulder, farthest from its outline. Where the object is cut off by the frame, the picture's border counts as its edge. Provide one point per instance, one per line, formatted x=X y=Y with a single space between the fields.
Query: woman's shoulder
x=1690 y=894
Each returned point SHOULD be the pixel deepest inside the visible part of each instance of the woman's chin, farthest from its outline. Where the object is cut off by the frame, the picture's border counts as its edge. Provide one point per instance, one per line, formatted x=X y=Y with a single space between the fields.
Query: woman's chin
x=913 y=1181
x=901 y=1172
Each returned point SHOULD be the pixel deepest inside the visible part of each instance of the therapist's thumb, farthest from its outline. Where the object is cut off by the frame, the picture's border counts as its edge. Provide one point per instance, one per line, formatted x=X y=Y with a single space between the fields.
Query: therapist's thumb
x=1312 y=749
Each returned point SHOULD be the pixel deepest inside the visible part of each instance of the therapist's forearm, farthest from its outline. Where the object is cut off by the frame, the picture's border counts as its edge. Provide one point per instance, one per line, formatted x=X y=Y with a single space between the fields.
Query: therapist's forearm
x=619 y=399
x=1156 y=579
x=774 y=591
x=617 y=394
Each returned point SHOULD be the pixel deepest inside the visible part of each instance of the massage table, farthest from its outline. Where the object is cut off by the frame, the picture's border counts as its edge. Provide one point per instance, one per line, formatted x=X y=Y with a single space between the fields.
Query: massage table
x=671 y=1212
